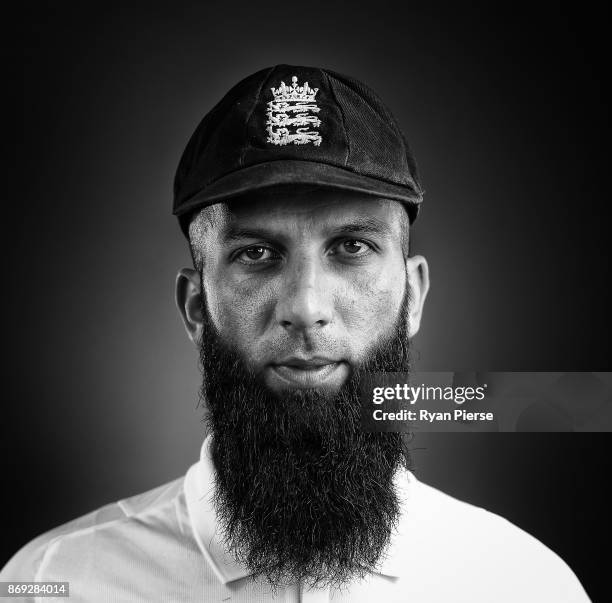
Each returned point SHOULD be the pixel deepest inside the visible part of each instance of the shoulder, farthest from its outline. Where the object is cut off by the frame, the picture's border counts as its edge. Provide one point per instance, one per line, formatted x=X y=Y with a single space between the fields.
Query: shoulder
x=85 y=532
x=483 y=549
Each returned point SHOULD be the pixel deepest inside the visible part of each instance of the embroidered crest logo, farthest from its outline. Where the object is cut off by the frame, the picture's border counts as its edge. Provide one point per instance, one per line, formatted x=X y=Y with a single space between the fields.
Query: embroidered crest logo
x=292 y=115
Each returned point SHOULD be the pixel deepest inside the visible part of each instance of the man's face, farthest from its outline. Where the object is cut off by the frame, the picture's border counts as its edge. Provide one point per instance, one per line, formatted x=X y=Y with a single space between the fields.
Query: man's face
x=302 y=286
x=296 y=299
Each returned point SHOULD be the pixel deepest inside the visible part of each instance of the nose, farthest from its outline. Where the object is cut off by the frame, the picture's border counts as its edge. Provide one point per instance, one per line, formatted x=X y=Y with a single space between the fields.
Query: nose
x=305 y=301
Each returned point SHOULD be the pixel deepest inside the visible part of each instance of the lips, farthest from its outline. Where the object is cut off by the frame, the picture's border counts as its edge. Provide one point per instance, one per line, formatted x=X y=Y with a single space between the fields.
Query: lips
x=312 y=372
x=306 y=363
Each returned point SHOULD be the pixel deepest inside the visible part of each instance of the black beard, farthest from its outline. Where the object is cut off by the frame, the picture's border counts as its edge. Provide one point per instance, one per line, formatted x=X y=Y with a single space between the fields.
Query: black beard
x=301 y=492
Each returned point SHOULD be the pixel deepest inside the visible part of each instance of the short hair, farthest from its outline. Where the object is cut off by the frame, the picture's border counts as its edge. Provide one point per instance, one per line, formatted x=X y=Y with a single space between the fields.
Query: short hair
x=405 y=231
x=203 y=218
x=199 y=221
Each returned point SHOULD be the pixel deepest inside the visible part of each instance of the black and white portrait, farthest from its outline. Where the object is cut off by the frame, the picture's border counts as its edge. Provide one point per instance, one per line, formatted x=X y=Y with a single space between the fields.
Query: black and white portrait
x=229 y=222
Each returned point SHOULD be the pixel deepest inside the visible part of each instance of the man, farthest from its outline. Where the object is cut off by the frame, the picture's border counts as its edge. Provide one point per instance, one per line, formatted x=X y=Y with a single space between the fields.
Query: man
x=296 y=193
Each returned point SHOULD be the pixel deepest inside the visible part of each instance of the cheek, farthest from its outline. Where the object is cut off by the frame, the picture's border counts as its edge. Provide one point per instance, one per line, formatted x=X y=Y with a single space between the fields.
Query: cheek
x=369 y=308
x=238 y=310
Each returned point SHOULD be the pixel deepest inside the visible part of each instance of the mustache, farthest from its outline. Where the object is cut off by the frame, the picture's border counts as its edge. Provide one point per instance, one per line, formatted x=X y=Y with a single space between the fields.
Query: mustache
x=282 y=349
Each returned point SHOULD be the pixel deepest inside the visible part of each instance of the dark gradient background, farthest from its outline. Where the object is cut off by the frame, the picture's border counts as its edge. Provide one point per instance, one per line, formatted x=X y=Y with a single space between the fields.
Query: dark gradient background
x=504 y=109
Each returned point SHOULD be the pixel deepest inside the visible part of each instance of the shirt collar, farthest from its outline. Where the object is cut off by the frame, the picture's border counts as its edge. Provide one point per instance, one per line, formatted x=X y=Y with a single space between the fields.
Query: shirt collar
x=199 y=490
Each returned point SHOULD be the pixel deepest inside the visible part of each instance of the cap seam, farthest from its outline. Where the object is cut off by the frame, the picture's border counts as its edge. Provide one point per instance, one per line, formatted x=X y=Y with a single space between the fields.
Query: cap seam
x=392 y=119
x=348 y=82
x=248 y=119
x=346 y=138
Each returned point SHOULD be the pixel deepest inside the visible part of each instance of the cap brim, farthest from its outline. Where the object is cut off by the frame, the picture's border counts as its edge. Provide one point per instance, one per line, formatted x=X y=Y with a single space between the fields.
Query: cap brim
x=287 y=172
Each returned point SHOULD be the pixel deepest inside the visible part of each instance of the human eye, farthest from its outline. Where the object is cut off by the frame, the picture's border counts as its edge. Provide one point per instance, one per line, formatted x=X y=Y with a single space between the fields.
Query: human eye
x=351 y=249
x=256 y=255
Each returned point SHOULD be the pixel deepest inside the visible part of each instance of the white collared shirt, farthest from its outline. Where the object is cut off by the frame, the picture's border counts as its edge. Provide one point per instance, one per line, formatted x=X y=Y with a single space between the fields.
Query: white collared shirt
x=164 y=545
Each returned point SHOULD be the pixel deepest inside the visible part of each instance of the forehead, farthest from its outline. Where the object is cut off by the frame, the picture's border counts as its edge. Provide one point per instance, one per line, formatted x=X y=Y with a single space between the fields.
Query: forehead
x=312 y=209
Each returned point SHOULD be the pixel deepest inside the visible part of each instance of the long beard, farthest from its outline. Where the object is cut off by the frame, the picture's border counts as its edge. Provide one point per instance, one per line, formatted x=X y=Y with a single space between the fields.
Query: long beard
x=301 y=492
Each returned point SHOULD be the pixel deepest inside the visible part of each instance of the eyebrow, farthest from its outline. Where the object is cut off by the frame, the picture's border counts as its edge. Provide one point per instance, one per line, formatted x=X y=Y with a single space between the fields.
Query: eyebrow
x=365 y=225
x=236 y=233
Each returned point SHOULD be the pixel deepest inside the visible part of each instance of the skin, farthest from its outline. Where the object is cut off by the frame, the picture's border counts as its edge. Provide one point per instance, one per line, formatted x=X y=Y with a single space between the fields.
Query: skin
x=302 y=286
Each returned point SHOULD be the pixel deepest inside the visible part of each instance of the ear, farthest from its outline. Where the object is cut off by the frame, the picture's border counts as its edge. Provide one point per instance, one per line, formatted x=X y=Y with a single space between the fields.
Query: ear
x=417 y=272
x=189 y=302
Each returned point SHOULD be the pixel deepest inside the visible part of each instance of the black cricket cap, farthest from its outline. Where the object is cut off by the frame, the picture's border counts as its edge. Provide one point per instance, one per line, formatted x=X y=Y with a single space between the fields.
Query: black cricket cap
x=290 y=125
